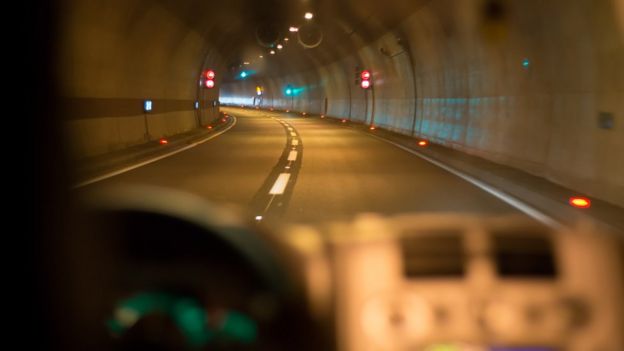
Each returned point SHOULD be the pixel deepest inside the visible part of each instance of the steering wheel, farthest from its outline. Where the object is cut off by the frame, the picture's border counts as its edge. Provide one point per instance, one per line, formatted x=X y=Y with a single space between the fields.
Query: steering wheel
x=185 y=275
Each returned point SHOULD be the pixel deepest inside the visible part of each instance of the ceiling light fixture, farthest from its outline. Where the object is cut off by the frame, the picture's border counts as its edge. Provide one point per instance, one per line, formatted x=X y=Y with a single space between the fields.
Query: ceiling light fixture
x=308 y=15
x=293 y=29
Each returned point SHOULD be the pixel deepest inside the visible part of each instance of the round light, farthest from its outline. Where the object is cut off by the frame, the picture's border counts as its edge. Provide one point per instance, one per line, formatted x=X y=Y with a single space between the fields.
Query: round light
x=365 y=84
x=279 y=46
x=293 y=29
x=423 y=143
x=210 y=74
x=365 y=75
x=308 y=15
x=210 y=83
x=272 y=52
x=243 y=74
x=580 y=202
x=261 y=56
x=286 y=39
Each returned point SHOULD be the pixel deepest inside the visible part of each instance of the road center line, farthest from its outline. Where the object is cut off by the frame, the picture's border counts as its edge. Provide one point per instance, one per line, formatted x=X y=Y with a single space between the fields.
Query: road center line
x=280 y=184
x=292 y=156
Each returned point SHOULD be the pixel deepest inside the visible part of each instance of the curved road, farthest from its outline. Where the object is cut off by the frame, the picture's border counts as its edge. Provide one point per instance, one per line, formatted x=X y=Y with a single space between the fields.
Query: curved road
x=296 y=169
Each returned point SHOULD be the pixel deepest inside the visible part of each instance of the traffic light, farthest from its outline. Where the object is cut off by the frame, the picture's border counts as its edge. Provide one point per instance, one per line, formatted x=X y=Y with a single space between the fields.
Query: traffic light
x=209 y=78
x=365 y=77
x=289 y=90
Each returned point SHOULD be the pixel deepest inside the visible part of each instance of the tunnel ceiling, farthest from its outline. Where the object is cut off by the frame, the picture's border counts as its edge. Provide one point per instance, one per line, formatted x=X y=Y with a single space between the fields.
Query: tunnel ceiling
x=235 y=28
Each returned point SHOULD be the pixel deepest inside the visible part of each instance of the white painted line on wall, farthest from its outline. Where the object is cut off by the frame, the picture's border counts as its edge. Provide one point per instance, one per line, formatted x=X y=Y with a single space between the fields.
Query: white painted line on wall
x=510 y=200
x=141 y=164
x=280 y=184
x=295 y=141
x=292 y=156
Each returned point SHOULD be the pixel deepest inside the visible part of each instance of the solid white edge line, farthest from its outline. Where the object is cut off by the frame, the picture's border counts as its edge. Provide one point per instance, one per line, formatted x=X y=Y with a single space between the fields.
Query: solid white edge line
x=512 y=201
x=280 y=184
x=124 y=170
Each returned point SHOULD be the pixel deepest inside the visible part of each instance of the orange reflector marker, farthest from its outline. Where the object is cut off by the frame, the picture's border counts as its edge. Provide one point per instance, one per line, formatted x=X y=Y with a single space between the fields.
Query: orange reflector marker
x=163 y=141
x=423 y=143
x=209 y=127
x=580 y=202
x=303 y=113
x=222 y=119
x=372 y=128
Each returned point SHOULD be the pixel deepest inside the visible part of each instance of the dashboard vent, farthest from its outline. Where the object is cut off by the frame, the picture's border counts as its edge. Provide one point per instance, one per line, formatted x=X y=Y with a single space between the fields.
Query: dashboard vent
x=519 y=255
x=433 y=254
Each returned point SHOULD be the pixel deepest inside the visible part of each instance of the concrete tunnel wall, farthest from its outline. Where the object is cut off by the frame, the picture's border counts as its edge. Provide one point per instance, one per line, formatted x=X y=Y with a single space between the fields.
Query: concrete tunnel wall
x=528 y=92
x=113 y=56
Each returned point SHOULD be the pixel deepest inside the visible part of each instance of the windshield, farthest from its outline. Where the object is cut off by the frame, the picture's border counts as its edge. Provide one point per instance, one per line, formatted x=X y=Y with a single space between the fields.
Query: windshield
x=311 y=112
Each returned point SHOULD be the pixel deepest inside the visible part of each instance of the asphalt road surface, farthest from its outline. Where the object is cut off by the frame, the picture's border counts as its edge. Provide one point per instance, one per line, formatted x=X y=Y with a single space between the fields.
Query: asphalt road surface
x=288 y=168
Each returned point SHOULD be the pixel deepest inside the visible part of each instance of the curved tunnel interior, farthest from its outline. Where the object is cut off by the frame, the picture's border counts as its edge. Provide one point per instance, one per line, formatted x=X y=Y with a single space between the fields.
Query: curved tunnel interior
x=337 y=124
x=522 y=83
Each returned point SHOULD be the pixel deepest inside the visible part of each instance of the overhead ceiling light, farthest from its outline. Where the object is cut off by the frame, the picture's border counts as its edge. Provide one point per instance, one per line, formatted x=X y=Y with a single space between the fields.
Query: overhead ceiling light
x=272 y=52
x=293 y=29
x=285 y=39
x=308 y=15
x=245 y=63
x=279 y=46
x=261 y=56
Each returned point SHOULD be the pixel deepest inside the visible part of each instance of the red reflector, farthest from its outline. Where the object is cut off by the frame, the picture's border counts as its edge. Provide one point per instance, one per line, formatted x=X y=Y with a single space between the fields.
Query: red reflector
x=303 y=113
x=580 y=202
x=163 y=141
x=222 y=119
x=423 y=143
x=287 y=111
x=209 y=127
x=372 y=128
x=322 y=116
x=344 y=121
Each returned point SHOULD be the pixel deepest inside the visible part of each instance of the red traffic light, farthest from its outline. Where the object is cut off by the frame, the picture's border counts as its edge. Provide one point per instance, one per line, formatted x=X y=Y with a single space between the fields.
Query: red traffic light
x=365 y=84
x=210 y=83
x=209 y=74
x=365 y=75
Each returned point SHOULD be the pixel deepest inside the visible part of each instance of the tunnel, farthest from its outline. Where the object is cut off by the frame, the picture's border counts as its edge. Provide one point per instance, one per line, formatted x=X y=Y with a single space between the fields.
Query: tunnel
x=334 y=123
x=521 y=83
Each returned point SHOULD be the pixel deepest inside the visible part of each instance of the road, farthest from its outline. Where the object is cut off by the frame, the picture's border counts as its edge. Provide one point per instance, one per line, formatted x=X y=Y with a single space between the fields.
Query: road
x=305 y=170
